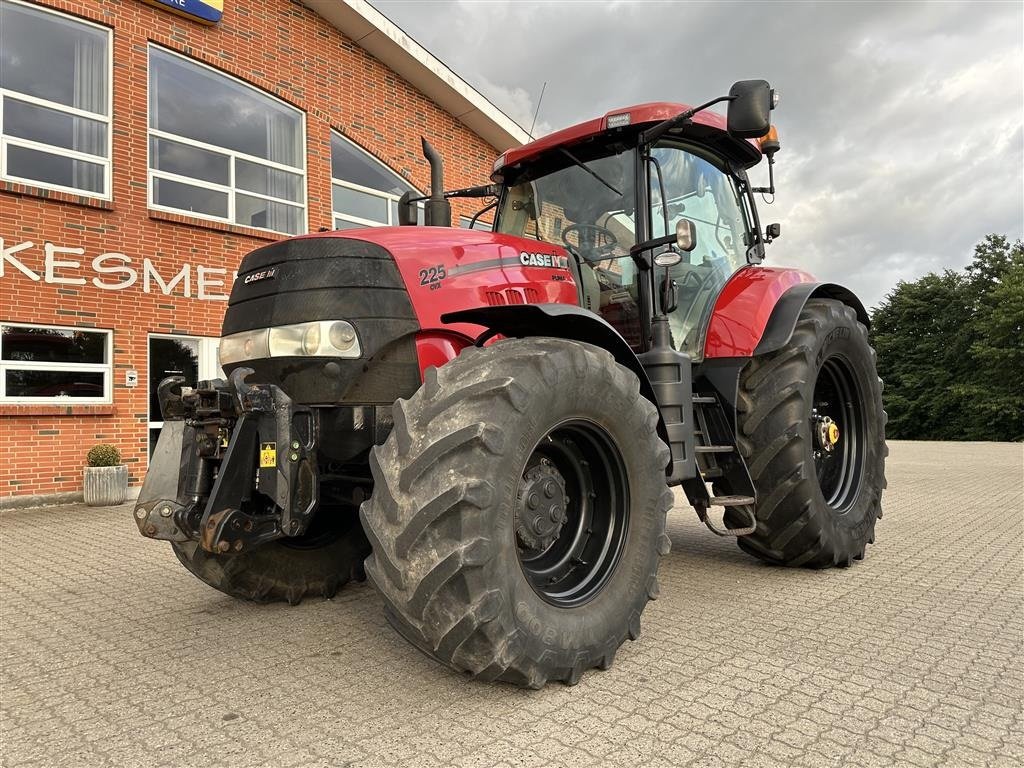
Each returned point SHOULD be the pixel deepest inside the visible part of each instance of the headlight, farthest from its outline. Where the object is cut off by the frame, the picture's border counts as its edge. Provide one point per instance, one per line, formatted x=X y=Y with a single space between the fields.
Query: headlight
x=320 y=338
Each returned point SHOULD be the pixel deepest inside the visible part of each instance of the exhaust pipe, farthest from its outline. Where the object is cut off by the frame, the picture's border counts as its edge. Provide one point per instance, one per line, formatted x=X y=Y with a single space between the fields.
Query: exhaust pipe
x=438 y=211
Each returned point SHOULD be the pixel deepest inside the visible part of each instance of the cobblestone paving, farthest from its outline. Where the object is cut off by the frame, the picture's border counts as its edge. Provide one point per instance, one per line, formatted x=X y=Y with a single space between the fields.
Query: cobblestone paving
x=113 y=655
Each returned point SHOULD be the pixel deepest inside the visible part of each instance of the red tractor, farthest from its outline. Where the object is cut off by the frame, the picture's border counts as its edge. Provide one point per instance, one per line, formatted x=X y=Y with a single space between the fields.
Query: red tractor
x=494 y=421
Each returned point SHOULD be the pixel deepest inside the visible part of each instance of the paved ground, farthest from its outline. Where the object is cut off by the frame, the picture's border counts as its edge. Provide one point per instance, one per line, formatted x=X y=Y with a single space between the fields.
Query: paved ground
x=113 y=655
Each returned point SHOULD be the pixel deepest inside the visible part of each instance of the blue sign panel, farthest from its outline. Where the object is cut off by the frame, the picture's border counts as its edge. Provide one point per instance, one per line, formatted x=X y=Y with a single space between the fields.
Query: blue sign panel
x=205 y=11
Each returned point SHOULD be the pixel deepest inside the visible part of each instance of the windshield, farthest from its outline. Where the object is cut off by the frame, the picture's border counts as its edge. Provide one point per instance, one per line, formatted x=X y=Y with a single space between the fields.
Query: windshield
x=587 y=208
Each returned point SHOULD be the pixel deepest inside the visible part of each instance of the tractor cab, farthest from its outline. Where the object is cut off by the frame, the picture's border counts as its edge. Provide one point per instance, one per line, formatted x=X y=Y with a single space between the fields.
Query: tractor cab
x=601 y=189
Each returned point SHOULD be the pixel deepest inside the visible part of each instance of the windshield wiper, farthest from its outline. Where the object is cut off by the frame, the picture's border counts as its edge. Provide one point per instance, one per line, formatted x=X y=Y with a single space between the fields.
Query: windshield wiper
x=593 y=173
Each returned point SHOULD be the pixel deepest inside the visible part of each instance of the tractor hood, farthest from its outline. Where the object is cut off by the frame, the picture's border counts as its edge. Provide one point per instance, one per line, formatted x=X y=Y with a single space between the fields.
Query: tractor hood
x=387 y=285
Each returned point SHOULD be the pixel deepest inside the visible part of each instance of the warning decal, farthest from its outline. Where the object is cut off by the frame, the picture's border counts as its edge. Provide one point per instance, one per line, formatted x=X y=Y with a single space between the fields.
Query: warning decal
x=268 y=455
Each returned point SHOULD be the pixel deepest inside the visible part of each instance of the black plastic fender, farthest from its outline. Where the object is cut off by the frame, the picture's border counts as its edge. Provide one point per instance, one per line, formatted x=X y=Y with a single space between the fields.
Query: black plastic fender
x=561 y=321
x=787 y=311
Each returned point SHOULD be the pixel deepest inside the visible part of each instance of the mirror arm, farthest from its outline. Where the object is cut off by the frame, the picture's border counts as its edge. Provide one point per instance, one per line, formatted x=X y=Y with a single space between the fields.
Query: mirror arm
x=770 y=189
x=655 y=132
x=485 y=209
x=638 y=251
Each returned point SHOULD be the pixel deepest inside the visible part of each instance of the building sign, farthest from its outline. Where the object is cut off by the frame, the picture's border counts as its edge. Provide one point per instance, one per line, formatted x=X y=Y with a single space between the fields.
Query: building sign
x=62 y=265
x=203 y=11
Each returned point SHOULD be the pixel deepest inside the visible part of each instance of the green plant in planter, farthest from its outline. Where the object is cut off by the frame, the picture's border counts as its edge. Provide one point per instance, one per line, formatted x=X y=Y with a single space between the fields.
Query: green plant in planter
x=105 y=478
x=103 y=455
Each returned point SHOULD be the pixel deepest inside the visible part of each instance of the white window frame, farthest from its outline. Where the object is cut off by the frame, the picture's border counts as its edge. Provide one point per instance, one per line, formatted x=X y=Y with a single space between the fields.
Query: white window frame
x=106 y=368
x=231 y=190
x=107 y=119
x=387 y=196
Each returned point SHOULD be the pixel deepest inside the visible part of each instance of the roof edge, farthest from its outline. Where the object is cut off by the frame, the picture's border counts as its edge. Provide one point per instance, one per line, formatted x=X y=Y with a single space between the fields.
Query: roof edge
x=386 y=41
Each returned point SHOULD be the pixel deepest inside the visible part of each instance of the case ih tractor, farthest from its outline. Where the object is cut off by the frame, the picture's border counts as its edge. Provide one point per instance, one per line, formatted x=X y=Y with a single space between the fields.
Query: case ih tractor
x=494 y=421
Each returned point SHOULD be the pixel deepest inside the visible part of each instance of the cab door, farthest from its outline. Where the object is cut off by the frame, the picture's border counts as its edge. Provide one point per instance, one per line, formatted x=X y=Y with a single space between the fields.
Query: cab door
x=697 y=186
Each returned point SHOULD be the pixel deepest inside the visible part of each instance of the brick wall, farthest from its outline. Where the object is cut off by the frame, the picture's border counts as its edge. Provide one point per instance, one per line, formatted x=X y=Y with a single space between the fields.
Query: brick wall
x=276 y=45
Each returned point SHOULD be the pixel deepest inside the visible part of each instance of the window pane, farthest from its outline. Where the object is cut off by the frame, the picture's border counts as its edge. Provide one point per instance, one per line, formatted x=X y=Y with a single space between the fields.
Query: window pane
x=54 y=169
x=342 y=224
x=49 y=126
x=55 y=383
x=351 y=164
x=53 y=57
x=360 y=204
x=183 y=160
x=185 y=197
x=257 y=212
x=268 y=181
x=193 y=101
x=52 y=345
x=170 y=357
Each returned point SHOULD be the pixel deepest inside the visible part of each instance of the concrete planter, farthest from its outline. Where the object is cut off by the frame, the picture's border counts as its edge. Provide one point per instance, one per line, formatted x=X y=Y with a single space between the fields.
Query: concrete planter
x=104 y=486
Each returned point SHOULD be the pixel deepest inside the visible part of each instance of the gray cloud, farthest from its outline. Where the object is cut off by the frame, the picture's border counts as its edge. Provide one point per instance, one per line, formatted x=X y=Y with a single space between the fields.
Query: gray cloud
x=900 y=121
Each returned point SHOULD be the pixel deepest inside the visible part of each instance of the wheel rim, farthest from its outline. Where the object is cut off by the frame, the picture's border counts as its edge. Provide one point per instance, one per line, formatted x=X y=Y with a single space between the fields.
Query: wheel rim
x=838 y=433
x=571 y=513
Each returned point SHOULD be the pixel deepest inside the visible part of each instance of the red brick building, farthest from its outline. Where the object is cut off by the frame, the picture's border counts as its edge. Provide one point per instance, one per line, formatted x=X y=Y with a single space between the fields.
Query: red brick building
x=144 y=151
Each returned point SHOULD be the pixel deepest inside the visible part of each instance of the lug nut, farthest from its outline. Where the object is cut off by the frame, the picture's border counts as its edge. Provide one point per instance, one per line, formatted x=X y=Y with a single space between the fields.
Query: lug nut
x=140 y=513
x=238 y=546
x=533 y=501
x=549 y=489
x=223 y=546
x=165 y=511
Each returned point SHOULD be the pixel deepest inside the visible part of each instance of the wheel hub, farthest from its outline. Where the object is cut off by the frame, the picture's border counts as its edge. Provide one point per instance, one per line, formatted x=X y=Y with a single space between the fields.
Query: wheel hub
x=826 y=432
x=541 y=505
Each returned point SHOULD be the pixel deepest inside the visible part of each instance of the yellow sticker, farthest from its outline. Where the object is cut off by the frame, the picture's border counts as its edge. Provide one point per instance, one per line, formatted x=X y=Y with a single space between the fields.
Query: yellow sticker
x=268 y=455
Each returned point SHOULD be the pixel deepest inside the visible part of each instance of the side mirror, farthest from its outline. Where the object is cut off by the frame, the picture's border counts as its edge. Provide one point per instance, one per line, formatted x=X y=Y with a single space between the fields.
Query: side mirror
x=750 y=102
x=772 y=231
x=407 y=210
x=686 y=235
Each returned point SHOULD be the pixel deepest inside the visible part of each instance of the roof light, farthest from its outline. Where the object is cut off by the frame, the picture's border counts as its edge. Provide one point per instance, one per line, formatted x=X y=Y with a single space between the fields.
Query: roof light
x=769 y=143
x=619 y=121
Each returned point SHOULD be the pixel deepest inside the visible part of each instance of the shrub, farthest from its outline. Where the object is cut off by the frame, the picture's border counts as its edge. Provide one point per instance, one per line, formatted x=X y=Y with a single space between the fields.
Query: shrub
x=103 y=455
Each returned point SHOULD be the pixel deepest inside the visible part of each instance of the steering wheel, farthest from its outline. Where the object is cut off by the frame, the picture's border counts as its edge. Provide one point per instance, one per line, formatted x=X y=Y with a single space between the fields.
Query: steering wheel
x=598 y=252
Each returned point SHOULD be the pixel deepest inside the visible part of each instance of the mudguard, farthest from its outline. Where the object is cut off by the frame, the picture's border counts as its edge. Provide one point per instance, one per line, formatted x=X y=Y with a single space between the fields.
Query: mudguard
x=561 y=321
x=758 y=308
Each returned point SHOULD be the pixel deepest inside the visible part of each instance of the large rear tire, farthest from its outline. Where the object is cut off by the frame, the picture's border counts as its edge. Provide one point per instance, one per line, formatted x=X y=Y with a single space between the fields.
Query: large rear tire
x=518 y=511
x=812 y=431
x=316 y=564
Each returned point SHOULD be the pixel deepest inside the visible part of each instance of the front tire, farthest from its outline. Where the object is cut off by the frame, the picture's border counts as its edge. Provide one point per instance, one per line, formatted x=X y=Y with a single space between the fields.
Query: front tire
x=316 y=565
x=518 y=511
x=811 y=428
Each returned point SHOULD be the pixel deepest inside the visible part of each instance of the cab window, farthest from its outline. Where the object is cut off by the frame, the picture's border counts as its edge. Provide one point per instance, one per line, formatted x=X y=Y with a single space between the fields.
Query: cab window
x=695 y=187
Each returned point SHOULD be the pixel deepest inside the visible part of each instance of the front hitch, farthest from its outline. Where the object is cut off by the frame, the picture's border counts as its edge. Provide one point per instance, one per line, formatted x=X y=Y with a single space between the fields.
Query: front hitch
x=235 y=465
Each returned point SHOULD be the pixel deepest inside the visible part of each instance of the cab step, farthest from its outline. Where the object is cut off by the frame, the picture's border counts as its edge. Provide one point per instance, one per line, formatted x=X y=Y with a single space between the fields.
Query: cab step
x=714 y=449
x=731 y=501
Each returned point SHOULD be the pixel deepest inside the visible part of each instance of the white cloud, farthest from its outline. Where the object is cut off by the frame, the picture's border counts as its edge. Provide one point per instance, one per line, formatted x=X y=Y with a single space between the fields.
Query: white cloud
x=900 y=122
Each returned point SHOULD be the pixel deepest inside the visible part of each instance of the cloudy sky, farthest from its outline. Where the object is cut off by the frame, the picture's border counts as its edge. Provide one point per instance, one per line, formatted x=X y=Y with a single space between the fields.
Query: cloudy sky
x=900 y=122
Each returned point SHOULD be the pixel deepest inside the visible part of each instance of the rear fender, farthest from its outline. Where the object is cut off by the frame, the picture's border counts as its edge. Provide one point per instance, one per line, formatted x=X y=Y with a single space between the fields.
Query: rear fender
x=782 y=322
x=758 y=308
x=561 y=321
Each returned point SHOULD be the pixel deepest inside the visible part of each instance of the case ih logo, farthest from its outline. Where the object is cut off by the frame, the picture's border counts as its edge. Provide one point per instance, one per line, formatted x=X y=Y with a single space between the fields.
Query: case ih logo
x=266 y=274
x=543 y=260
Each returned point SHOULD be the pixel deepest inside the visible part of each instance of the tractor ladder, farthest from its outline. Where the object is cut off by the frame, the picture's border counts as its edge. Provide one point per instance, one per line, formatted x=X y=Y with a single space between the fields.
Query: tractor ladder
x=720 y=466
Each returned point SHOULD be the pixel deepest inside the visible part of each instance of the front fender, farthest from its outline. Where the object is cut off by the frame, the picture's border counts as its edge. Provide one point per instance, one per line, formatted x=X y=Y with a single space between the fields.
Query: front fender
x=562 y=321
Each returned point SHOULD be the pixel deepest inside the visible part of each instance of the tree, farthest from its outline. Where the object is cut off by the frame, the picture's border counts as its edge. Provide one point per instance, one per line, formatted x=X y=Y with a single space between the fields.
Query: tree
x=951 y=349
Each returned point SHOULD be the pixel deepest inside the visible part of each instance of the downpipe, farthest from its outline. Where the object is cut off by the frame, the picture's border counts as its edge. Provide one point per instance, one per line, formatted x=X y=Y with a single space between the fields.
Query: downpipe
x=235 y=466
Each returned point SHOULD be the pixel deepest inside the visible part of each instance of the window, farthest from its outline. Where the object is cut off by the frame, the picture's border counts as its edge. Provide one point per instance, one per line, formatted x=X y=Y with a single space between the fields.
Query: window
x=481 y=224
x=193 y=357
x=220 y=149
x=54 y=100
x=365 y=191
x=45 y=364
x=699 y=189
